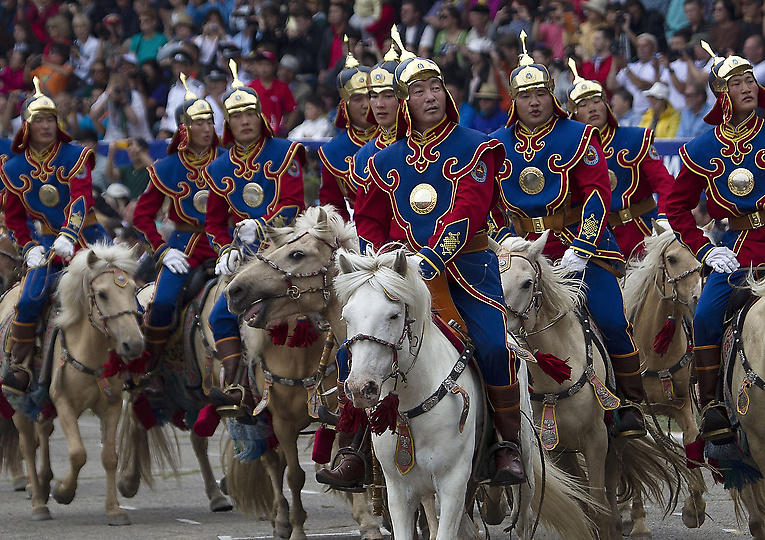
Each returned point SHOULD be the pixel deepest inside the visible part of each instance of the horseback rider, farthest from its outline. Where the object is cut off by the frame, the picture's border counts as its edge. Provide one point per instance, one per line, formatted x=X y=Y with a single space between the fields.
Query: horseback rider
x=555 y=178
x=383 y=113
x=433 y=191
x=635 y=169
x=177 y=179
x=48 y=180
x=336 y=184
x=723 y=163
x=257 y=184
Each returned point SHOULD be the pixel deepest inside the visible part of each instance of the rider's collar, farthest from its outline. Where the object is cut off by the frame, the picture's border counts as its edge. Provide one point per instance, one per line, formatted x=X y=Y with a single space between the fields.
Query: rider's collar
x=432 y=133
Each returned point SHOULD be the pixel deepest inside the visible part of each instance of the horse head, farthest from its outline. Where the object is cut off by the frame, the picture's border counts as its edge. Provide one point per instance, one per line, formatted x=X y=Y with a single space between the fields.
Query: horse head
x=386 y=309
x=293 y=274
x=98 y=287
x=681 y=271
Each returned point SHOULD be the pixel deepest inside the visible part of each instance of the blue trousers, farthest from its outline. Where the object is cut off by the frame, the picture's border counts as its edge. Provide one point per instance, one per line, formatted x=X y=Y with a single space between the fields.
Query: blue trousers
x=485 y=322
x=166 y=289
x=224 y=324
x=606 y=305
x=710 y=311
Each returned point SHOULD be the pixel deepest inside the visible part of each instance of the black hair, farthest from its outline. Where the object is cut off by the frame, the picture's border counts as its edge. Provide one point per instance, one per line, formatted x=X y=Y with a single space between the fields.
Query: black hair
x=624 y=94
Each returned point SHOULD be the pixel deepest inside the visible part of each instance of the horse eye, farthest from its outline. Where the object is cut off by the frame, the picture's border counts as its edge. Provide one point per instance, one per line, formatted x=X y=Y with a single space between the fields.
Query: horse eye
x=672 y=259
x=102 y=295
x=394 y=317
x=526 y=284
x=297 y=255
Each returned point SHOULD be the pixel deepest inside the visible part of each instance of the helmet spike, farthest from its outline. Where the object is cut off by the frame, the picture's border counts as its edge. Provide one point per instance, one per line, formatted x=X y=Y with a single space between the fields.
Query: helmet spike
x=525 y=59
x=572 y=67
x=710 y=52
x=235 y=72
x=350 y=60
x=396 y=37
x=189 y=94
x=36 y=82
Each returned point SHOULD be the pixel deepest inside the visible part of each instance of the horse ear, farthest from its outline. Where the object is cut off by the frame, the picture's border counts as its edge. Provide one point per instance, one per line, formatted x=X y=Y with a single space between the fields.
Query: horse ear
x=400 y=264
x=538 y=245
x=322 y=216
x=344 y=264
x=657 y=227
x=92 y=258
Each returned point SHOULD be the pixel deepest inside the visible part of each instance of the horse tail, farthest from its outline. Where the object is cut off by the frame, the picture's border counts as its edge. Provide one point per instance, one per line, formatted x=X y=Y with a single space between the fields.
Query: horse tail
x=653 y=469
x=564 y=501
x=10 y=452
x=137 y=448
x=248 y=484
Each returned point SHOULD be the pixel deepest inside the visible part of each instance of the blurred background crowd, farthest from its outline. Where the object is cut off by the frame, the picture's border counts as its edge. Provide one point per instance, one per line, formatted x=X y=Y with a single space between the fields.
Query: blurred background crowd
x=113 y=65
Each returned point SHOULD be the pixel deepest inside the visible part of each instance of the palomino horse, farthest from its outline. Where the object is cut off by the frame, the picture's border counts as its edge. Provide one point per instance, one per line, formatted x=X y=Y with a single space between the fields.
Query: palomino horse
x=545 y=310
x=137 y=446
x=97 y=314
x=660 y=295
x=306 y=250
x=747 y=385
x=397 y=349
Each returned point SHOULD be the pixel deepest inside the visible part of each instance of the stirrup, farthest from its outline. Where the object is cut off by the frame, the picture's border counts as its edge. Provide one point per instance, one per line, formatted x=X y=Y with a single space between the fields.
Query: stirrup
x=234 y=410
x=493 y=449
x=632 y=433
x=7 y=381
x=327 y=416
x=348 y=450
x=717 y=434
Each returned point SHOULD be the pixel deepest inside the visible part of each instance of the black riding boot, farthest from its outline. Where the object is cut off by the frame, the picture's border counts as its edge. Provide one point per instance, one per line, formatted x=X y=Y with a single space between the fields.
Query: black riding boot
x=505 y=400
x=19 y=373
x=715 y=425
x=629 y=420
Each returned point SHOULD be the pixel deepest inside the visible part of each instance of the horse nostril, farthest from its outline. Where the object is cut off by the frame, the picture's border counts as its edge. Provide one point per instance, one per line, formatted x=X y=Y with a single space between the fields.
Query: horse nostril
x=370 y=390
x=234 y=293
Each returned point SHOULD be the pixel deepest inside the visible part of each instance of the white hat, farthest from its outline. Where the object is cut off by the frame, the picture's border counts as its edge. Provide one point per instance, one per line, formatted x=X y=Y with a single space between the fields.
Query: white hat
x=117 y=191
x=659 y=90
x=479 y=45
x=596 y=5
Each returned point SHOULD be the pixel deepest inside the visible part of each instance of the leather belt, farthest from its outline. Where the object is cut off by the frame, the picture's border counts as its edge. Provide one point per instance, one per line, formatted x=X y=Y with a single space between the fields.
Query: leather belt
x=755 y=220
x=90 y=219
x=479 y=242
x=622 y=217
x=182 y=226
x=555 y=222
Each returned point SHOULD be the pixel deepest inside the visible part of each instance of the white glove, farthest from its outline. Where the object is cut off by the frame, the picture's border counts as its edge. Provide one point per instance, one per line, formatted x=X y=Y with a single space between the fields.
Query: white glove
x=35 y=257
x=63 y=247
x=573 y=262
x=247 y=231
x=664 y=224
x=175 y=261
x=227 y=263
x=722 y=259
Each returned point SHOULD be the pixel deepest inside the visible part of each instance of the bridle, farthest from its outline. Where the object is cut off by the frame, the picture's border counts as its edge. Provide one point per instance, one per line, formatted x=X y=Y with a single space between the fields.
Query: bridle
x=673 y=280
x=415 y=343
x=536 y=294
x=101 y=319
x=294 y=292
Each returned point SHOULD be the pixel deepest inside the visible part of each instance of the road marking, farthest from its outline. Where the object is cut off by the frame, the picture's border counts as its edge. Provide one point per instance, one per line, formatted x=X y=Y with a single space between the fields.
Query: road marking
x=187 y=521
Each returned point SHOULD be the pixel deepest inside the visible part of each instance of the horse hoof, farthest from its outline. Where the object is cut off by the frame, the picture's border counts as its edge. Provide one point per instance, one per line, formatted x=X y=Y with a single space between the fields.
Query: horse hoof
x=128 y=489
x=20 y=484
x=41 y=514
x=219 y=503
x=371 y=534
x=692 y=520
x=298 y=536
x=223 y=486
x=62 y=498
x=118 y=520
x=282 y=530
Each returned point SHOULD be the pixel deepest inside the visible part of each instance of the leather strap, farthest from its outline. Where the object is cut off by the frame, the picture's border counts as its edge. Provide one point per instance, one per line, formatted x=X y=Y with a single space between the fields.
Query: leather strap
x=556 y=222
x=755 y=220
x=624 y=216
x=90 y=219
x=442 y=302
x=479 y=242
x=188 y=227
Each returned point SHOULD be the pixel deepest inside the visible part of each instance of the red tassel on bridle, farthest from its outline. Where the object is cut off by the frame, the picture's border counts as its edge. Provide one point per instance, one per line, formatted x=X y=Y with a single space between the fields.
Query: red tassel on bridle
x=279 y=333
x=664 y=337
x=554 y=367
x=114 y=365
x=351 y=419
x=385 y=415
x=304 y=335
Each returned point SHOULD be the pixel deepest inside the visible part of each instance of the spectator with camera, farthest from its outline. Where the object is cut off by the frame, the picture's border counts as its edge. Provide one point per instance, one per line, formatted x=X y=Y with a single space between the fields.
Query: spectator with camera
x=119 y=112
x=213 y=34
x=86 y=48
x=451 y=38
x=641 y=75
x=695 y=108
x=511 y=19
x=181 y=63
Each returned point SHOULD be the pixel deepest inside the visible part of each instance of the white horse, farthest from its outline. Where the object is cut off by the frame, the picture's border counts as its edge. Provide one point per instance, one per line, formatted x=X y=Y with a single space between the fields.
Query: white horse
x=397 y=348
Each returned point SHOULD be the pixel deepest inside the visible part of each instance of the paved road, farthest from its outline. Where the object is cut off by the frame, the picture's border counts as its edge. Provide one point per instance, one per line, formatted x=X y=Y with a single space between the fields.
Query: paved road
x=177 y=507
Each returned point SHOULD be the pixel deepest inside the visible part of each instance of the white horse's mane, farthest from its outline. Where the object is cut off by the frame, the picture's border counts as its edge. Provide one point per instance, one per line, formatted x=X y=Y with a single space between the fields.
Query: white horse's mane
x=560 y=292
x=308 y=223
x=72 y=291
x=757 y=286
x=641 y=272
x=377 y=270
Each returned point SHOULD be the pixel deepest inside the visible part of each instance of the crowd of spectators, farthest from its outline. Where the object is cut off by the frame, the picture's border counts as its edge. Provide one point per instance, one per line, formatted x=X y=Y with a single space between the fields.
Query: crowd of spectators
x=113 y=65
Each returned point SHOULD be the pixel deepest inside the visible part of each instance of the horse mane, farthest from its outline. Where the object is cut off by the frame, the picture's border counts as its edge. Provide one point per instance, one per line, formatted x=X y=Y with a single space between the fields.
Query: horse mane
x=757 y=286
x=308 y=223
x=641 y=272
x=72 y=291
x=560 y=292
x=376 y=268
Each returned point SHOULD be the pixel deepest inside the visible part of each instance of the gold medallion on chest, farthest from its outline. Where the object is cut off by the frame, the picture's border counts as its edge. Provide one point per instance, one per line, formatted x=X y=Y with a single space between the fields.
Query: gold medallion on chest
x=741 y=182
x=253 y=195
x=613 y=179
x=200 y=201
x=423 y=198
x=531 y=180
x=49 y=195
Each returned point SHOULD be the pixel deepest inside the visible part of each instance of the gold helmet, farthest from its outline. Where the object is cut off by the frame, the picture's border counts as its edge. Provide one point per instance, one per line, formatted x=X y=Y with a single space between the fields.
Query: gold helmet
x=723 y=70
x=582 y=89
x=382 y=76
x=529 y=75
x=192 y=108
x=241 y=98
x=353 y=79
x=37 y=103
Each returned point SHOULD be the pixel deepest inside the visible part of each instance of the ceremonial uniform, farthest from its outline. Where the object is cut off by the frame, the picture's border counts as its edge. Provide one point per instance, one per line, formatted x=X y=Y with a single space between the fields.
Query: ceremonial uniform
x=253 y=187
x=433 y=191
x=337 y=186
x=179 y=179
x=556 y=178
x=725 y=164
x=54 y=188
x=635 y=171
